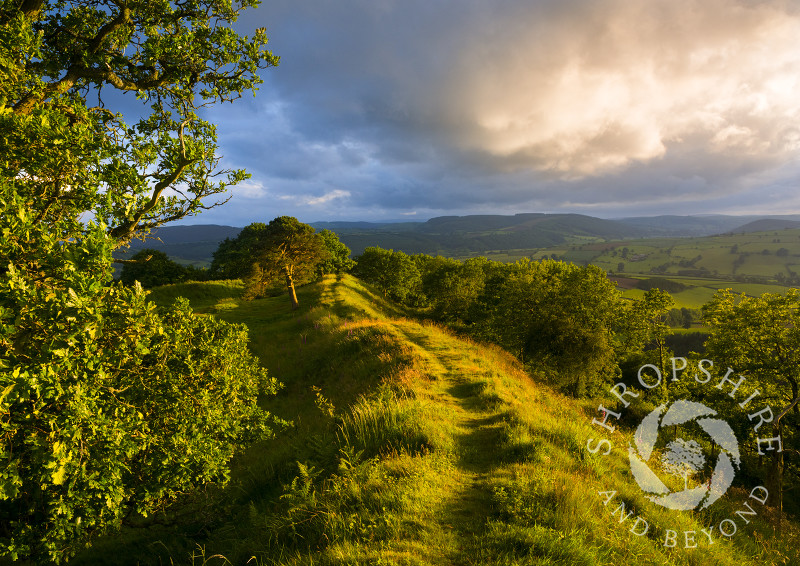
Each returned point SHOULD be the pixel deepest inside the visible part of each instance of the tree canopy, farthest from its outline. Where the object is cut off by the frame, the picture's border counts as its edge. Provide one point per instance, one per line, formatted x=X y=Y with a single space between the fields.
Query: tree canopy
x=760 y=338
x=338 y=260
x=394 y=273
x=109 y=406
x=285 y=250
x=67 y=152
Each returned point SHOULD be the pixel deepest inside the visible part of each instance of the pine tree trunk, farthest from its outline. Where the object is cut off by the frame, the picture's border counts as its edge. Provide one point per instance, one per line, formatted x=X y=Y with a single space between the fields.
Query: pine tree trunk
x=292 y=293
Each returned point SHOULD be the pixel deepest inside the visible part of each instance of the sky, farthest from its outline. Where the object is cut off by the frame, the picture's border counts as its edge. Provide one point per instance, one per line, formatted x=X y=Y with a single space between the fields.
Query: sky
x=405 y=110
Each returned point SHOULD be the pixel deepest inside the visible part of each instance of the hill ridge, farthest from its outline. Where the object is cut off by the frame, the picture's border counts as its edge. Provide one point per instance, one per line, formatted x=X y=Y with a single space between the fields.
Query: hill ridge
x=412 y=445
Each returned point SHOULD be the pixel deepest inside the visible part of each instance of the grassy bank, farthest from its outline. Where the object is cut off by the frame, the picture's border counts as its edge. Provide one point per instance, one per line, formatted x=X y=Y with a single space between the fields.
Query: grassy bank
x=411 y=445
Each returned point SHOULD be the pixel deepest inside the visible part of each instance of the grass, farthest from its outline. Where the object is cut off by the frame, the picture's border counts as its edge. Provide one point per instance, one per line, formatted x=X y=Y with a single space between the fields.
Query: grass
x=411 y=445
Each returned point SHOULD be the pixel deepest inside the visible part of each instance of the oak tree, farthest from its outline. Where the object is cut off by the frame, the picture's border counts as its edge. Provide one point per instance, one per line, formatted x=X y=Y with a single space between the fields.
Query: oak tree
x=394 y=273
x=760 y=338
x=338 y=260
x=285 y=249
x=109 y=406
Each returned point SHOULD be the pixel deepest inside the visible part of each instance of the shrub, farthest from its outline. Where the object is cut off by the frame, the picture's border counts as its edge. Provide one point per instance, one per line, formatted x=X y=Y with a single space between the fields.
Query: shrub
x=109 y=405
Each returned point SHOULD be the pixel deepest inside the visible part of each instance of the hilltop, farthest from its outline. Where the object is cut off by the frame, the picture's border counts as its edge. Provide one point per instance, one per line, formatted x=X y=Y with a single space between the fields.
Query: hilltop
x=412 y=445
x=498 y=236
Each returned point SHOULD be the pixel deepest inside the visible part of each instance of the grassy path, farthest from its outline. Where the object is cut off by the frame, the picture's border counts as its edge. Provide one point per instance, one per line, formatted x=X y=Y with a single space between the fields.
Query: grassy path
x=478 y=420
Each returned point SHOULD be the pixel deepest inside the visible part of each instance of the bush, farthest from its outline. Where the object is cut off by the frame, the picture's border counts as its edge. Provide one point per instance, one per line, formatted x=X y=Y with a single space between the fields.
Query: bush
x=661 y=283
x=153 y=268
x=109 y=405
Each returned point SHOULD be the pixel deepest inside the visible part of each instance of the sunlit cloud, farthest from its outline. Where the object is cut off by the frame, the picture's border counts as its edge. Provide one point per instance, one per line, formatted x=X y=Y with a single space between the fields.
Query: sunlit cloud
x=316 y=200
x=606 y=107
x=337 y=194
x=584 y=90
x=251 y=190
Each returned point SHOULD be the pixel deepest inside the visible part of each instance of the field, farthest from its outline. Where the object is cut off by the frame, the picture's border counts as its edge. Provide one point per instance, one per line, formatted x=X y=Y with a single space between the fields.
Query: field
x=771 y=256
x=699 y=291
x=410 y=445
x=768 y=255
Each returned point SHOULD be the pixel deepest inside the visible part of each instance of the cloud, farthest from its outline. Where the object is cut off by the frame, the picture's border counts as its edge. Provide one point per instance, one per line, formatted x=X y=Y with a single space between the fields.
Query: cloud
x=327 y=197
x=250 y=190
x=583 y=89
x=380 y=108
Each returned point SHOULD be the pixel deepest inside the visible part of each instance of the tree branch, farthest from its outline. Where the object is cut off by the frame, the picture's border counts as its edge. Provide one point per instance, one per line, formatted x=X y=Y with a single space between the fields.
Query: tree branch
x=75 y=71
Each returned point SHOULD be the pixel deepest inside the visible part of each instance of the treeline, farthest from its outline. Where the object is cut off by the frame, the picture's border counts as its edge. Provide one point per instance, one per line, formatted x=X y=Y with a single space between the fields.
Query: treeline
x=568 y=322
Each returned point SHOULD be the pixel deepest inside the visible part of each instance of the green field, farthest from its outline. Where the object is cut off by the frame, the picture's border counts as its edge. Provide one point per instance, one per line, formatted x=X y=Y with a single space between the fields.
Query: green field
x=767 y=255
x=757 y=254
x=412 y=446
x=700 y=291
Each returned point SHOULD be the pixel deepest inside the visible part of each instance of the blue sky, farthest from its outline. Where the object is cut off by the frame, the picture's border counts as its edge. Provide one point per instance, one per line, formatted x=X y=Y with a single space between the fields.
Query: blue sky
x=384 y=109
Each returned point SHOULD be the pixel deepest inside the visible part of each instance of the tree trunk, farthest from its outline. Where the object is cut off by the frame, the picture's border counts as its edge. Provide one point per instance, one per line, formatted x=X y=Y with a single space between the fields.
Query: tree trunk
x=292 y=293
x=777 y=464
x=776 y=487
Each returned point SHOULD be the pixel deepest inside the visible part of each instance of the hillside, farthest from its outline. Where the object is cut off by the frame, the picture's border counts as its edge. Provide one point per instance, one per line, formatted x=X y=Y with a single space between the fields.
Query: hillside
x=189 y=245
x=766 y=257
x=505 y=238
x=458 y=235
x=411 y=445
x=768 y=224
x=446 y=235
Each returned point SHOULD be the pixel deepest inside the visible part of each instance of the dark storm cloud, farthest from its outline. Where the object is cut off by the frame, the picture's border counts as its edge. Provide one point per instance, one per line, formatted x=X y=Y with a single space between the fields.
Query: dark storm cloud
x=381 y=108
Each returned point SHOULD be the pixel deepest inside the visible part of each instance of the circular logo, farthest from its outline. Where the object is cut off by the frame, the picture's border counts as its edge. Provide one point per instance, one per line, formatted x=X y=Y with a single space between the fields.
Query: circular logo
x=684 y=458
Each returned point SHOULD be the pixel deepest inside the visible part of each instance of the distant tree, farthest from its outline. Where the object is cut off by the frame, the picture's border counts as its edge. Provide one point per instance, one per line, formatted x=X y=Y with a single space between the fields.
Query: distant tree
x=338 y=260
x=661 y=283
x=647 y=319
x=689 y=316
x=284 y=250
x=620 y=267
x=782 y=252
x=395 y=274
x=152 y=268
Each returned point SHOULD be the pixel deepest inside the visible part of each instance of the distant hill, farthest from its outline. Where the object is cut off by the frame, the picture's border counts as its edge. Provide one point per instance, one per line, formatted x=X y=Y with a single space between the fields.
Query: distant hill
x=194 y=234
x=686 y=226
x=193 y=244
x=766 y=225
x=462 y=236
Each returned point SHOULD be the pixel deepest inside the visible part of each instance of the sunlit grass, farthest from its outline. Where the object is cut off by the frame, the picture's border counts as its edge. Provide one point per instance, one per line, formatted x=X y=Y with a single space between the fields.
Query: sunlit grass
x=412 y=445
